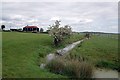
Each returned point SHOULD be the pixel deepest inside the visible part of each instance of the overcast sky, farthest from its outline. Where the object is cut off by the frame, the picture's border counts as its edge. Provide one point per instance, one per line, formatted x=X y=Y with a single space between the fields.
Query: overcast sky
x=82 y=16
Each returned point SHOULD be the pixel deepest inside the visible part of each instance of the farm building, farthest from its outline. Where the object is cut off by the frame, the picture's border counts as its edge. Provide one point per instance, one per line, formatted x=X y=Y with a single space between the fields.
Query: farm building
x=31 y=28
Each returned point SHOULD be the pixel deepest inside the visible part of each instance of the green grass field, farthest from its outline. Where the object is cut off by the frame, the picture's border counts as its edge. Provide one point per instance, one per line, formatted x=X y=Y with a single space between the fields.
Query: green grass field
x=100 y=51
x=23 y=52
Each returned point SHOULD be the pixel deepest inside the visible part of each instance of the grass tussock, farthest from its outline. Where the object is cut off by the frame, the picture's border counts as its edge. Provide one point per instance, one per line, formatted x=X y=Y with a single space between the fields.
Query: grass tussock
x=108 y=64
x=72 y=68
x=56 y=66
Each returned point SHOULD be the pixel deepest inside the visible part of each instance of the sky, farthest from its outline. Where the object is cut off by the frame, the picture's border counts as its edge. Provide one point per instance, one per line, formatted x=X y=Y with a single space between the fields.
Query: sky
x=81 y=16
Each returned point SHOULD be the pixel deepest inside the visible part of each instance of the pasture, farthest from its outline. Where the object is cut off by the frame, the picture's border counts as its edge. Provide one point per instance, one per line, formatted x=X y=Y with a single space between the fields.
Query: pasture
x=23 y=52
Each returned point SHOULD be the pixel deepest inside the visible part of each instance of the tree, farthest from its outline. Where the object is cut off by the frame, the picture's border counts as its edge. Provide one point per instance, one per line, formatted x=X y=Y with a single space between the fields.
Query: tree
x=20 y=30
x=2 y=27
x=41 y=29
x=59 y=33
x=87 y=35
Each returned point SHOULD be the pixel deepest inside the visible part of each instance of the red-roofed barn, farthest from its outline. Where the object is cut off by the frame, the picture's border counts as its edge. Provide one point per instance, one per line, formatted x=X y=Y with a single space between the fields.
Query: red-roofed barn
x=31 y=28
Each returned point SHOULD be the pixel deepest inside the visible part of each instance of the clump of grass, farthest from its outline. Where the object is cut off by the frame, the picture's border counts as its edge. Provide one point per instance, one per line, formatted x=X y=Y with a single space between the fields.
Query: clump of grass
x=56 y=66
x=86 y=70
x=72 y=68
x=103 y=63
x=107 y=64
x=77 y=69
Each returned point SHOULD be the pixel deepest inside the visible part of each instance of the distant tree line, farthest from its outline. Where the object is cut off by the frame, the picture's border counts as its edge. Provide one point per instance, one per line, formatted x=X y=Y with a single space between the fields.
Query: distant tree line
x=2 y=27
x=41 y=30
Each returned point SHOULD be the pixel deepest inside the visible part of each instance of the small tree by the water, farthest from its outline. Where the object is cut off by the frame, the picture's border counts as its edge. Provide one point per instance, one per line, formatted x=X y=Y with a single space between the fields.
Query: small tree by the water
x=87 y=35
x=59 y=33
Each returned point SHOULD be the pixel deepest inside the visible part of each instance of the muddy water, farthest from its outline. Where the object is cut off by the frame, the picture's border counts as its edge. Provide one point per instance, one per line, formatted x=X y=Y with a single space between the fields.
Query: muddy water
x=68 y=48
x=104 y=73
x=51 y=56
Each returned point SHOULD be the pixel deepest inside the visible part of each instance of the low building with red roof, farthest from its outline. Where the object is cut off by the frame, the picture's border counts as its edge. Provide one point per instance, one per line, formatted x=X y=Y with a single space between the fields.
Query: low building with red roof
x=31 y=29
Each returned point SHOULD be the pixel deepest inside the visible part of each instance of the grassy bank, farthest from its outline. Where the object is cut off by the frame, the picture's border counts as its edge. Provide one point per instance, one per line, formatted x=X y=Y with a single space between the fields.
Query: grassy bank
x=100 y=51
x=22 y=52
x=0 y=54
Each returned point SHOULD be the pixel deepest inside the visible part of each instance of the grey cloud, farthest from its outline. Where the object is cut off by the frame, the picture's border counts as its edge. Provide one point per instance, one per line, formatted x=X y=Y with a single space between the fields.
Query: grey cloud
x=77 y=14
